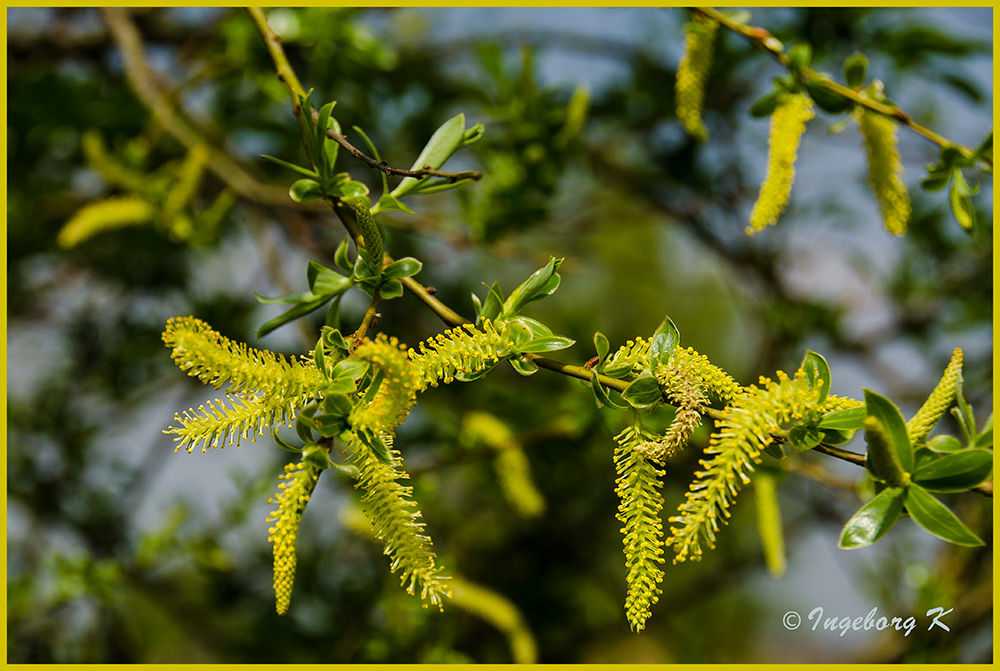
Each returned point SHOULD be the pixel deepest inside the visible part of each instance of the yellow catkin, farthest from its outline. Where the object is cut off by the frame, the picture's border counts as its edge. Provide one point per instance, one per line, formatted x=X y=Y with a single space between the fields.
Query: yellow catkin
x=511 y=463
x=733 y=452
x=298 y=483
x=638 y=488
x=788 y=122
x=772 y=539
x=937 y=403
x=501 y=613
x=885 y=169
x=109 y=214
x=264 y=388
x=692 y=73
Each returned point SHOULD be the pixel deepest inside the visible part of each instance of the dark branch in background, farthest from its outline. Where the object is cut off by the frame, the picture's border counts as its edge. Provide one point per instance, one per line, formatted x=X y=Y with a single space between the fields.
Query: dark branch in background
x=153 y=95
x=287 y=76
x=762 y=39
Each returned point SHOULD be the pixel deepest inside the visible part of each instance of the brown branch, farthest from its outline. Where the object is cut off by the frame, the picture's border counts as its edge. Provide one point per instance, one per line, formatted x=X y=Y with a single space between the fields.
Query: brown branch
x=153 y=95
x=763 y=40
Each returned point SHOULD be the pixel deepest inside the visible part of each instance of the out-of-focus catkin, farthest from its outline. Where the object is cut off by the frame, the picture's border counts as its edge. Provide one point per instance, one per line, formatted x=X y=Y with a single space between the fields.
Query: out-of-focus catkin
x=788 y=122
x=692 y=73
x=885 y=169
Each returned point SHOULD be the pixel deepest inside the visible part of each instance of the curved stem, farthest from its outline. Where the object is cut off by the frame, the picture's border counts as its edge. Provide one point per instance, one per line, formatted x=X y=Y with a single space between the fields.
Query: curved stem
x=763 y=40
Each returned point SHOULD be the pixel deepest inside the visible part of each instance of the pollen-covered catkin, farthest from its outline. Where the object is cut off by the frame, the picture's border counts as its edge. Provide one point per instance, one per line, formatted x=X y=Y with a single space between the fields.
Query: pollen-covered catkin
x=733 y=452
x=885 y=169
x=638 y=487
x=298 y=483
x=788 y=122
x=692 y=73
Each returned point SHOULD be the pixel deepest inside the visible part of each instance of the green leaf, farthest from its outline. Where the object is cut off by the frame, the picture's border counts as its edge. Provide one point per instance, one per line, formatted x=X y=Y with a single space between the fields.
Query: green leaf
x=799 y=56
x=406 y=267
x=827 y=100
x=349 y=369
x=523 y=366
x=299 y=310
x=535 y=327
x=855 y=68
x=851 y=419
x=817 y=372
x=446 y=140
x=802 y=438
x=390 y=289
x=340 y=256
x=602 y=345
x=837 y=437
x=956 y=472
x=888 y=414
x=427 y=186
x=286 y=446
x=325 y=281
x=873 y=520
x=297 y=297
x=601 y=394
x=546 y=344
x=643 y=392
x=332 y=318
x=291 y=166
x=375 y=443
x=341 y=403
x=494 y=302
x=304 y=190
x=373 y=387
x=663 y=343
x=330 y=146
x=321 y=158
x=961 y=204
x=348 y=189
x=937 y=178
x=775 y=450
x=937 y=519
x=765 y=106
x=388 y=203
x=881 y=458
x=543 y=282
x=944 y=443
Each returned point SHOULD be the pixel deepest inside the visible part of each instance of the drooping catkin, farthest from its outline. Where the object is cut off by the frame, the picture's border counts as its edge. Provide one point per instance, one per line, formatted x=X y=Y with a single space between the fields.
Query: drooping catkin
x=788 y=122
x=638 y=487
x=298 y=482
x=885 y=169
x=692 y=73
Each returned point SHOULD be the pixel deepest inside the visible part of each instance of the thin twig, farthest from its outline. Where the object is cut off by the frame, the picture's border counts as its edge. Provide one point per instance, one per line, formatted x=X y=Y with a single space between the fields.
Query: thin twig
x=762 y=39
x=368 y=319
x=286 y=75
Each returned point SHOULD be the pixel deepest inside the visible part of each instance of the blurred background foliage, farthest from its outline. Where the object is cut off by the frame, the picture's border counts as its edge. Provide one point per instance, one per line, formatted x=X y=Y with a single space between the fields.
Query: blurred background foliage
x=121 y=551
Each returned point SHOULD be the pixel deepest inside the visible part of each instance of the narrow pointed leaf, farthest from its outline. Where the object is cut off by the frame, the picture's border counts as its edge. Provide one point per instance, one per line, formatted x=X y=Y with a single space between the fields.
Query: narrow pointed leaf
x=873 y=520
x=937 y=519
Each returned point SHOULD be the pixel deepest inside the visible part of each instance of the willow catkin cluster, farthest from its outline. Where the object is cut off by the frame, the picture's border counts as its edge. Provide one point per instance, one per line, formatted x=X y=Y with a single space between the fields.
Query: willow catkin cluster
x=692 y=73
x=733 y=453
x=885 y=169
x=297 y=485
x=638 y=487
x=788 y=122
